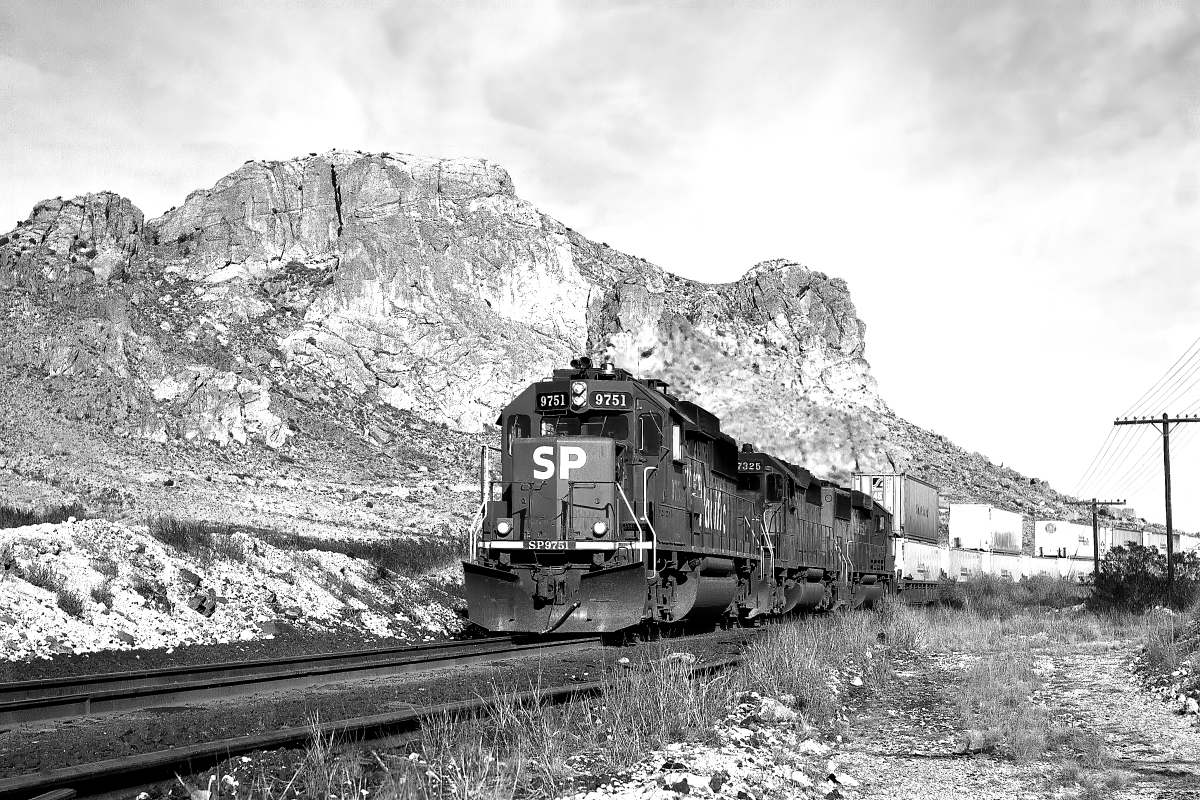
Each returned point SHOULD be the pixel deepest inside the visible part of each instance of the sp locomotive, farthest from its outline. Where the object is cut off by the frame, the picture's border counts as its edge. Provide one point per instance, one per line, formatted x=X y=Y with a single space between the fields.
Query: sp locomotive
x=619 y=504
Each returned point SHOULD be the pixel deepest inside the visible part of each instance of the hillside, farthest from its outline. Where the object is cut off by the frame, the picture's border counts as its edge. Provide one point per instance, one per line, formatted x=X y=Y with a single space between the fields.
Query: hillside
x=321 y=345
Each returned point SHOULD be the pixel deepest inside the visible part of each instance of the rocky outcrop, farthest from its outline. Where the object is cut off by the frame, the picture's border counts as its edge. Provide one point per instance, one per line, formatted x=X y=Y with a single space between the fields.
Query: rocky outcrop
x=432 y=283
x=94 y=237
x=345 y=285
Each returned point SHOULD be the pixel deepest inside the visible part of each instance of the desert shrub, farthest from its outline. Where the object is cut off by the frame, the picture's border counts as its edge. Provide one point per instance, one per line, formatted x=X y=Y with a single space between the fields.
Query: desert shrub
x=17 y=517
x=71 y=602
x=43 y=576
x=993 y=596
x=103 y=594
x=106 y=566
x=407 y=557
x=198 y=538
x=1134 y=578
x=153 y=592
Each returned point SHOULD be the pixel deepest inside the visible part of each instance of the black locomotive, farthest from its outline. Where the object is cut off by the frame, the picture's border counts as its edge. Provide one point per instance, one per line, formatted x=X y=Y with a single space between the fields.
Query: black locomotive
x=619 y=504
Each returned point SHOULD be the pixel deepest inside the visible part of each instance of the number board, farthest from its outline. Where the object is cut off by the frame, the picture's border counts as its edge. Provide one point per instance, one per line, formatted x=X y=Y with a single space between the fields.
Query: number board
x=619 y=401
x=551 y=402
x=749 y=464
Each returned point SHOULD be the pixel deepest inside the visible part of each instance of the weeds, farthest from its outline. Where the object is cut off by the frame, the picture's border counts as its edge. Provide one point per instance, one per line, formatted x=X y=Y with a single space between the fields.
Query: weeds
x=43 y=576
x=408 y=557
x=103 y=594
x=994 y=596
x=71 y=602
x=153 y=592
x=388 y=557
x=106 y=566
x=16 y=518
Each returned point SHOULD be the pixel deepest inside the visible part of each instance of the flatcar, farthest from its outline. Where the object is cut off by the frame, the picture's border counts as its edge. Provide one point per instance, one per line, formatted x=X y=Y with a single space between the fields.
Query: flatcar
x=620 y=505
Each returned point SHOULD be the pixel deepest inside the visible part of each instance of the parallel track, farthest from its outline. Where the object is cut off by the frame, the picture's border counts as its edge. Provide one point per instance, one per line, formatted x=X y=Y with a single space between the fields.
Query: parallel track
x=121 y=773
x=36 y=701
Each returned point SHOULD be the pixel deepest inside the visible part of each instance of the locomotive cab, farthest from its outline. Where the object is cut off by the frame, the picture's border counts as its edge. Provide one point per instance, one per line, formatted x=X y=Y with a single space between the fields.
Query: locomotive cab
x=566 y=542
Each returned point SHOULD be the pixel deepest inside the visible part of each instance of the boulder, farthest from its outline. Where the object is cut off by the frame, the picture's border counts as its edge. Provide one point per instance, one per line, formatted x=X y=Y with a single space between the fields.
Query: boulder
x=203 y=603
x=771 y=710
x=189 y=578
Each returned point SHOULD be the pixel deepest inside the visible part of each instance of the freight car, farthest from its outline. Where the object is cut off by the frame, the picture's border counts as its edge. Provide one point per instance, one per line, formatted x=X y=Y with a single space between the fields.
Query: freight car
x=620 y=505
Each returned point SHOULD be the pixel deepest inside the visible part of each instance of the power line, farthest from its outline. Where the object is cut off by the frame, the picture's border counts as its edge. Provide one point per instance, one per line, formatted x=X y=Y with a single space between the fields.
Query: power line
x=1166 y=375
x=1118 y=459
x=1099 y=453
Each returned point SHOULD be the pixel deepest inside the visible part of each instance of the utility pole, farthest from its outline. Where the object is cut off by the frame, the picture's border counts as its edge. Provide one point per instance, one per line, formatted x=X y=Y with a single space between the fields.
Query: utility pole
x=1094 y=503
x=1166 y=421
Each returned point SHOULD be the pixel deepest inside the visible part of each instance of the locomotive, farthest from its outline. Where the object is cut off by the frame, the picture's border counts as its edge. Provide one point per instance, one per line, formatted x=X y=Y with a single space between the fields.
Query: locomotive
x=620 y=505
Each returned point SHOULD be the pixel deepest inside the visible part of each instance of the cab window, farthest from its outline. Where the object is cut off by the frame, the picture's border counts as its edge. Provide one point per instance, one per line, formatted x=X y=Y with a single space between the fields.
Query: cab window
x=518 y=428
x=749 y=482
x=774 y=488
x=677 y=442
x=650 y=434
x=612 y=426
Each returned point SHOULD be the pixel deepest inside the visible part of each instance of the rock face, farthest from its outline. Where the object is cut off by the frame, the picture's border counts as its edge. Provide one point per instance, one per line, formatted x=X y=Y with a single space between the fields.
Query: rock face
x=432 y=283
x=349 y=286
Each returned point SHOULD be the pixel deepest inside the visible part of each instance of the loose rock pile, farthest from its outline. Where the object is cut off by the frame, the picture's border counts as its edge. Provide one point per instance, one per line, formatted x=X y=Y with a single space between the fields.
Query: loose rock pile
x=763 y=749
x=84 y=586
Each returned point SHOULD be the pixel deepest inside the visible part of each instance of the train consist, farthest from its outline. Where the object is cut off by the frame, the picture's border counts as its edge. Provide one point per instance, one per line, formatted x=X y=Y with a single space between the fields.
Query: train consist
x=620 y=505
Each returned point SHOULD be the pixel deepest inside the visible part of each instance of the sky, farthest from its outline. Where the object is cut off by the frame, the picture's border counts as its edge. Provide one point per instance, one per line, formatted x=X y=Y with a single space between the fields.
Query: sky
x=1011 y=190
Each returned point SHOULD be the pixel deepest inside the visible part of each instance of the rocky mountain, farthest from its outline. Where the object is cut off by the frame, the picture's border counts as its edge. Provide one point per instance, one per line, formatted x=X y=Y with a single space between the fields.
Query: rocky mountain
x=312 y=327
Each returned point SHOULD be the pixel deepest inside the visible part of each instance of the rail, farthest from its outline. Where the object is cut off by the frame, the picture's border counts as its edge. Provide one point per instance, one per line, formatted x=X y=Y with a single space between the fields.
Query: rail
x=34 y=701
x=130 y=772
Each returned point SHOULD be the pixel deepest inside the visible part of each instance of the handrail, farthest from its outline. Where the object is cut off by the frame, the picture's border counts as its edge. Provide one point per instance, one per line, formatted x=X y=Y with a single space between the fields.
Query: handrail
x=641 y=533
x=770 y=549
x=476 y=521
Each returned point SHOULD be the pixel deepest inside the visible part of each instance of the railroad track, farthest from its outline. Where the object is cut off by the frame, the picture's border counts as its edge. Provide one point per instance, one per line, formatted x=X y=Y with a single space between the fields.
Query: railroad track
x=42 y=700
x=124 y=773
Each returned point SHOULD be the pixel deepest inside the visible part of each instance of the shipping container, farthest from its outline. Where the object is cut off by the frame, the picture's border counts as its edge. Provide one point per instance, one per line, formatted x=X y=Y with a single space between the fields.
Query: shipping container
x=1007 y=565
x=1057 y=567
x=1119 y=537
x=1007 y=530
x=921 y=561
x=971 y=526
x=912 y=502
x=1159 y=540
x=1188 y=543
x=965 y=564
x=1061 y=539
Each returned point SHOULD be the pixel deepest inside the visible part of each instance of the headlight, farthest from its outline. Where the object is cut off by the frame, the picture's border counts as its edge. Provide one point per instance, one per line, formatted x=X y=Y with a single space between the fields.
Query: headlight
x=503 y=528
x=578 y=394
x=600 y=528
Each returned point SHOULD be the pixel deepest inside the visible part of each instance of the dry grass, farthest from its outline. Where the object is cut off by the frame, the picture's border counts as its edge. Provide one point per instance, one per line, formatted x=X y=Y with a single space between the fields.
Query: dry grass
x=43 y=576
x=205 y=541
x=71 y=602
x=103 y=594
x=410 y=557
x=18 y=517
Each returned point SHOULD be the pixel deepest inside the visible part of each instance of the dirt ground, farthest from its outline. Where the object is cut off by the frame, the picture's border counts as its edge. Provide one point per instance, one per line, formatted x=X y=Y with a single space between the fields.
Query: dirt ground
x=907 y=747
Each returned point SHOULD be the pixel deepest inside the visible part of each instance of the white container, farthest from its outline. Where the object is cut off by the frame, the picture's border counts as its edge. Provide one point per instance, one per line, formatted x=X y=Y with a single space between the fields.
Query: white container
x=1008 y=528
x=965 y=564
x=970 y=527
x=1007 y=565
x=921 y=561
x=1058 y=538
x=1188 y=543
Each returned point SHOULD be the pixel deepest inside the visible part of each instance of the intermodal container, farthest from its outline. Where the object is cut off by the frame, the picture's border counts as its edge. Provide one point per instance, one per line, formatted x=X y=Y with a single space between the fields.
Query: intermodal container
x=912 y=502
x=1007 y=530
x=921 y=561
x=1007 y=565
x=965 y=564
x=971 y=526
x=1056 y=538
